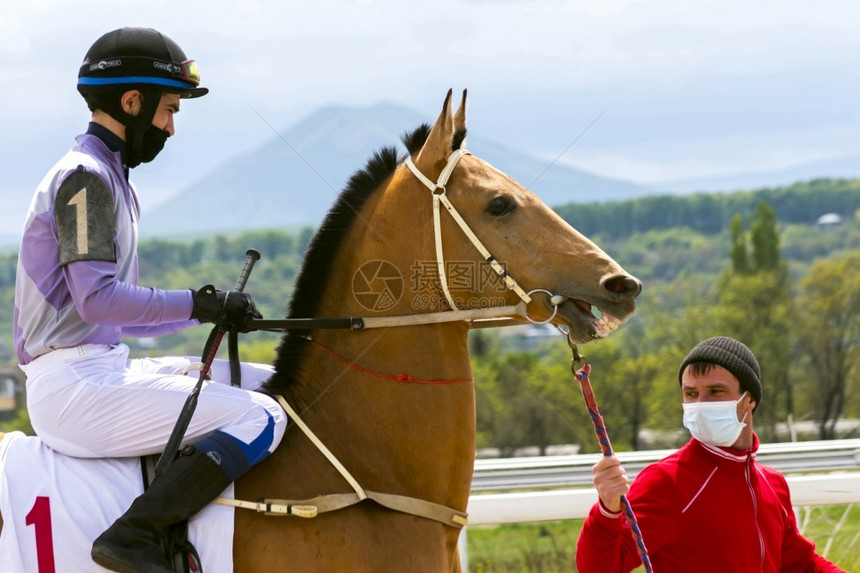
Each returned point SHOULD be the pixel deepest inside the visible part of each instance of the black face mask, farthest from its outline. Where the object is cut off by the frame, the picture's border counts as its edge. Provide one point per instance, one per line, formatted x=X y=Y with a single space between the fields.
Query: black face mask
x=142 y=148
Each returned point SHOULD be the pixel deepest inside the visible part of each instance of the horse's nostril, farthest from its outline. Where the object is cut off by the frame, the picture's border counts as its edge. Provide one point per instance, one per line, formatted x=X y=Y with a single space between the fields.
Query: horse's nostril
x=623 y=285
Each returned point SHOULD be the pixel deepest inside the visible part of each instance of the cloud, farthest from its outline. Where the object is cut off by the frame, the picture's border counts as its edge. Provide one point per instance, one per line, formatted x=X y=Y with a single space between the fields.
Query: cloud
x=685 y=84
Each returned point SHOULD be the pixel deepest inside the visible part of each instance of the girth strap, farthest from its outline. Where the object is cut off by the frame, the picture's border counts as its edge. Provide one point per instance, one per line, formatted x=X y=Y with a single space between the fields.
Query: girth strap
x=312 y=507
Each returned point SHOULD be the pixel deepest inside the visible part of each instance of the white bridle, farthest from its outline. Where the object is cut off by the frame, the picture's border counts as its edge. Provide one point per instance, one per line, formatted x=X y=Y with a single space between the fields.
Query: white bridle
x=440 y=197
x=312 y=507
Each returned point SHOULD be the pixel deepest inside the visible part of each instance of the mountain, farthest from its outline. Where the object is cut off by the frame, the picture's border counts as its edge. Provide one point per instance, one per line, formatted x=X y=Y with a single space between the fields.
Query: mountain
x=295 y=177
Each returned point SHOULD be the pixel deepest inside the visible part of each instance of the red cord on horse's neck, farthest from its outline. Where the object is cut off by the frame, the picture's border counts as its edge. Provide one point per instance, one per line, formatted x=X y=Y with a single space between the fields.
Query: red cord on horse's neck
x=396 y=378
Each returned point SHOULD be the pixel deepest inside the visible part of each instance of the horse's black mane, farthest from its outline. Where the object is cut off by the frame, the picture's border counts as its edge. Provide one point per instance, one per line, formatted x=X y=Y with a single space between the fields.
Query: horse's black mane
x=319 y=258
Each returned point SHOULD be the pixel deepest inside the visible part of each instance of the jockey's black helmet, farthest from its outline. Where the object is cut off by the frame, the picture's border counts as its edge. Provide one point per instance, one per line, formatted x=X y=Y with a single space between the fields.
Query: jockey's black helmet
x=131 y=58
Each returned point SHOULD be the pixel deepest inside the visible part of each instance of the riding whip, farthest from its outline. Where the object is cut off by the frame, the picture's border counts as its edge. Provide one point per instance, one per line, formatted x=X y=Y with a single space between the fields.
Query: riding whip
x=251 y=257
x=581 y=376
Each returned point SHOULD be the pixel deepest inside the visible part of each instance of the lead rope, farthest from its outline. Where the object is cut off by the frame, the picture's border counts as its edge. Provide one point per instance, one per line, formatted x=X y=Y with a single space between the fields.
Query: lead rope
x=581 y=376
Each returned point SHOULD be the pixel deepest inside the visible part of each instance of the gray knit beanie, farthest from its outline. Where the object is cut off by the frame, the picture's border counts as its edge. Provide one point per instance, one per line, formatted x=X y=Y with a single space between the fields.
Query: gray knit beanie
x=732 y=355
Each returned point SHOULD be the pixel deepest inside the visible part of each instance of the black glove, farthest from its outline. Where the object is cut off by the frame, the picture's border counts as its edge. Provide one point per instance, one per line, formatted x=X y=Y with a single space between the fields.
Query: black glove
x=230 y=310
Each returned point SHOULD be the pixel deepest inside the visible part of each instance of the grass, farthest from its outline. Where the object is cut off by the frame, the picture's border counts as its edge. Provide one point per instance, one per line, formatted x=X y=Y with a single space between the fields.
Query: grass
x=549 y=547
x=836 y=532
x=514 y=548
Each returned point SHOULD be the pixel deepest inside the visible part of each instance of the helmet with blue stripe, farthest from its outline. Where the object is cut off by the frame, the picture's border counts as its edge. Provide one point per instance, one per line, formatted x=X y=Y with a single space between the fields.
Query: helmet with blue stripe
x=133 y=58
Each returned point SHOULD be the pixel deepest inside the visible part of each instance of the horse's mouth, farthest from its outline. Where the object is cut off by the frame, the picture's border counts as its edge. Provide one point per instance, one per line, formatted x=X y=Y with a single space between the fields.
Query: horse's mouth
x=586 y=322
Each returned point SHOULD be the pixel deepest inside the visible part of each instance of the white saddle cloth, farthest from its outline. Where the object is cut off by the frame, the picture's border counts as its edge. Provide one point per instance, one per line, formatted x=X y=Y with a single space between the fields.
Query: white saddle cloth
x=54 y=506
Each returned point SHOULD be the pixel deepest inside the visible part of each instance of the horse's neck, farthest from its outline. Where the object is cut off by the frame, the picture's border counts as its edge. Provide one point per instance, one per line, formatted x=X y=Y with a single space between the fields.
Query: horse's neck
x=401 y=436
x=401 y=371
x=431 y=352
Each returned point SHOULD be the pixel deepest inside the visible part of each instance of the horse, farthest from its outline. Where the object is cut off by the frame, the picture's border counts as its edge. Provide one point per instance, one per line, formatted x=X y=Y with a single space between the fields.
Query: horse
x=428 y=245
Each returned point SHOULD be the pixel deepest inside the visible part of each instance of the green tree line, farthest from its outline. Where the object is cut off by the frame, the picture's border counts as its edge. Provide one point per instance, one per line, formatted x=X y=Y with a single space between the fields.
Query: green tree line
x=750 y=265
x=711 y=213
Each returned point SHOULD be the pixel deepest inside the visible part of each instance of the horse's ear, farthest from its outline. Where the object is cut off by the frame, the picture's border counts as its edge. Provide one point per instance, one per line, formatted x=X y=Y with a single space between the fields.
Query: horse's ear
x=436 y=150
x=460 y=125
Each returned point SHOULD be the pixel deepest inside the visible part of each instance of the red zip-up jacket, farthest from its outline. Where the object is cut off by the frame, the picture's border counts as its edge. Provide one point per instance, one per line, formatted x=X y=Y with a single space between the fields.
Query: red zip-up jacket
x=703 y=508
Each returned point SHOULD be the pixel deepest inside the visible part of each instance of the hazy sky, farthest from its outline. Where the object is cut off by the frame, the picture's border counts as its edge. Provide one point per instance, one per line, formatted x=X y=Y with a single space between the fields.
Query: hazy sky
x=684 y=90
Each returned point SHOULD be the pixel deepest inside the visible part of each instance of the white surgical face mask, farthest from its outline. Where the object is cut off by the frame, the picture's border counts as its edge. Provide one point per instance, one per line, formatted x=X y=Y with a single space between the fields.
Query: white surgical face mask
x=714 y=423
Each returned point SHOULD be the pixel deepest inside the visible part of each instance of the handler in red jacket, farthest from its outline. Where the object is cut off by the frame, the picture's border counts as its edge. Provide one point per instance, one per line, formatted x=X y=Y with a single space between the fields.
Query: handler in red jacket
x=709 y=506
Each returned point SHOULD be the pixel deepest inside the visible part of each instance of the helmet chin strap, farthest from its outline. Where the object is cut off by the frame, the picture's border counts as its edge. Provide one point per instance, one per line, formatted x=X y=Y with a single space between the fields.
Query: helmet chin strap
x=136 y=126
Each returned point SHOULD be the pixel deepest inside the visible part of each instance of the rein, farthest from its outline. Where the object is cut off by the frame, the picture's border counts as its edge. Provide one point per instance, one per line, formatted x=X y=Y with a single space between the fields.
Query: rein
x=479 y=317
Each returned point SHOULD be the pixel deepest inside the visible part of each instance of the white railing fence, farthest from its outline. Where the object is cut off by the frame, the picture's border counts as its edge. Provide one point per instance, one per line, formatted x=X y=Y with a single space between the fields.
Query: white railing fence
x=529 y=506
x=840 y=459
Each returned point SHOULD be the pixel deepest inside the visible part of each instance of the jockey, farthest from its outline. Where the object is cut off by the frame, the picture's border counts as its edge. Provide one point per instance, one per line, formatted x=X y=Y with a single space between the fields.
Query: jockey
x=76 y=296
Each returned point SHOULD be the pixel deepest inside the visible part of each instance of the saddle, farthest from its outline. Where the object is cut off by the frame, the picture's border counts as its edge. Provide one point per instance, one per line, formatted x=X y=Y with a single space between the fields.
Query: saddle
x=54 y=506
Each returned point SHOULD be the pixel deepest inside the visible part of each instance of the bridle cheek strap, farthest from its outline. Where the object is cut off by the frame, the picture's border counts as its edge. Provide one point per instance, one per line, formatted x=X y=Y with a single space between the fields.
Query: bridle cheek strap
x=440 y=197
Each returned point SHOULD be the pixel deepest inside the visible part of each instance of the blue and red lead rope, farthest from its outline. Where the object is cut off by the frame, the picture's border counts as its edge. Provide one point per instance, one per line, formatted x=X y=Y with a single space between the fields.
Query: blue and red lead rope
x=581 y=376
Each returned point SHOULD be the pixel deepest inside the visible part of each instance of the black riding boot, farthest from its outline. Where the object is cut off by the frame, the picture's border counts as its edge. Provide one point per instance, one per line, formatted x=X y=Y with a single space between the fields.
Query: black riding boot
x=132 y=543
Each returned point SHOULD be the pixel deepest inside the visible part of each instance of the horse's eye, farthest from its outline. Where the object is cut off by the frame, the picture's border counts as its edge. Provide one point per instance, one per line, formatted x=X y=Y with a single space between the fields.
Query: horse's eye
x=501 y=206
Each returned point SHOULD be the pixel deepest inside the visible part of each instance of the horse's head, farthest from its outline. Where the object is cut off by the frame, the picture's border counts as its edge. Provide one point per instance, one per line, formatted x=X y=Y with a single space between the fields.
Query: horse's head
x=566 y=274
x=377 y=251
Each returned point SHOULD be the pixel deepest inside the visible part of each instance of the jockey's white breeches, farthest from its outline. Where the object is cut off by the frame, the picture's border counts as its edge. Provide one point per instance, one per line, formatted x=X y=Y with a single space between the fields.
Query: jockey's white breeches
x=92 y=401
